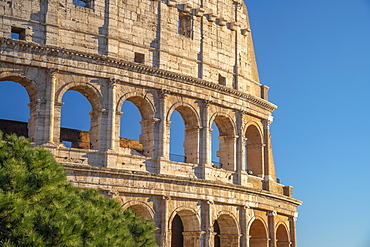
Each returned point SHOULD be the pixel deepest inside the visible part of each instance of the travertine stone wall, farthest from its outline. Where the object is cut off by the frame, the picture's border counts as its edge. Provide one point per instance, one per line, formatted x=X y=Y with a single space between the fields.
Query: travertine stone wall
x=194 y=57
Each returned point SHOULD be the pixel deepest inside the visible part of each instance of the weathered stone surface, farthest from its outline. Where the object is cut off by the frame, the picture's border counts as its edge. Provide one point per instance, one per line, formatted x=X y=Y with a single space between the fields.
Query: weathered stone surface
x=195 y=57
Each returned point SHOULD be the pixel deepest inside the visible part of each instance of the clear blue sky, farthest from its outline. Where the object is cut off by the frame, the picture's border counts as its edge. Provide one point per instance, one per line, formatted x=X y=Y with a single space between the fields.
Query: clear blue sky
x=315 y=57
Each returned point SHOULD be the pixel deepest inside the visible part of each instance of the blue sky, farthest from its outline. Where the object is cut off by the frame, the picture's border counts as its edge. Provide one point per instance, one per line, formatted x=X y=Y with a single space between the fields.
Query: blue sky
x=315 y=57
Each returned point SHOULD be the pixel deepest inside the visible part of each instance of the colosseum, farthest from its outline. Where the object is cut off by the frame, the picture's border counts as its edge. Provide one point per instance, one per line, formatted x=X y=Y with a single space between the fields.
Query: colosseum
x=192 y=57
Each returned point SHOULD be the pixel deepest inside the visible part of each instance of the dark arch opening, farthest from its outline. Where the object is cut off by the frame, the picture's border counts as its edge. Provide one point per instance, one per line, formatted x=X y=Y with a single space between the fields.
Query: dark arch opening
x=258 y=234
x=177 y=238
x=217 y=232
x=282 y=239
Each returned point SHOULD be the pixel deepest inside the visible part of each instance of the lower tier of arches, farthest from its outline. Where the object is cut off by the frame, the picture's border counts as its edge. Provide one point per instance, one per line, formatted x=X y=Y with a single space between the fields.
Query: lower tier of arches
x=188 y=212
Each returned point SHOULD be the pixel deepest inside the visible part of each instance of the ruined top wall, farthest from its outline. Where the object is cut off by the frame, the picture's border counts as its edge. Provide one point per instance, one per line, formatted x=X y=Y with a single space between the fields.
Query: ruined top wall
x=207 y=39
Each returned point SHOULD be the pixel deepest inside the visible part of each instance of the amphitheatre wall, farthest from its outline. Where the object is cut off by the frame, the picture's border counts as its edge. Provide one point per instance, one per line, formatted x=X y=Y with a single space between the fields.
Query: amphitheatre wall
x=193 y=57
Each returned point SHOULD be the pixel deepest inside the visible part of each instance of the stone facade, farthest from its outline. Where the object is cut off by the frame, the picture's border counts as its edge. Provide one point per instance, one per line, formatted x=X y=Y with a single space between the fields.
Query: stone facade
x=195 y=57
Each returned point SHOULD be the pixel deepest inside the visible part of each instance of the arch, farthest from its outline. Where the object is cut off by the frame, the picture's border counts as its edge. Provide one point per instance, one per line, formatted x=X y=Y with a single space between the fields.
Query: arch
x=227 y=140
x=85 y=140
x=92 y=94
x=228 y=230
x=147 y=110
x=33 y=132
x=224 y=123
x=258 y=233
x=145 y=106
x=191 y=121
x=254 y=149
x=282 y=236
x=141 y=209
x=189 y=216
x=188 y=113
x=184 y=223
x=28 y=84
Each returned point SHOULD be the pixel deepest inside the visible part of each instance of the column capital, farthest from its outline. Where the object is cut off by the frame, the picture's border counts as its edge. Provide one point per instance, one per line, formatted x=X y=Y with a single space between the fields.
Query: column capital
x=206 y=102
x=113 y=82
x=162 y=93
x=271 y=213
x=267 y=122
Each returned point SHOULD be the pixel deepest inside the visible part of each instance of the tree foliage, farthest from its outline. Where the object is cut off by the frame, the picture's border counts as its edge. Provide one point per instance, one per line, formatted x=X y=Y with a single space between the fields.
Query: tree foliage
x=39 y=207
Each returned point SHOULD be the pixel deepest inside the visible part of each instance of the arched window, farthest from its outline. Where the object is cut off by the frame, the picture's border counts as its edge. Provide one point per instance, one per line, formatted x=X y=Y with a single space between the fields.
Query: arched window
x=136 y=125
x=226 y=142
x=226 y=231
x=14 y=109
x=215 y=145
x=130 y=128
x=75 y=121
x=254 y=151
x=258 y=234
x=177 y=138
x=282 y=239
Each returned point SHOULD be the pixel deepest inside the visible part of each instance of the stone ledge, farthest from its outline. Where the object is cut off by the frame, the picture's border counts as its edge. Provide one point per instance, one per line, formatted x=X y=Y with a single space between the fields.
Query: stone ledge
x=20 y=45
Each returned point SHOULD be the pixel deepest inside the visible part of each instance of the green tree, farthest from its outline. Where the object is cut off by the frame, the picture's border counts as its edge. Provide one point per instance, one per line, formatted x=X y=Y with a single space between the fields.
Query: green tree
x=39 y=207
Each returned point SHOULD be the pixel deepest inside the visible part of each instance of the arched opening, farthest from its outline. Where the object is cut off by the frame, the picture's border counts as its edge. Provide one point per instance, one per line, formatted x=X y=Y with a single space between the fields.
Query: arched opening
x=215 y=143
x=282 y=239
x=254 y=151
x=177 y=238
x=226 y=140
x=19 y=107
x=185 y=229
x=226 y=231
x=258 y=234
x=142 y=212
x=130 y=128
x=74 y=95
x=216 y=232
x=136 y=125
x=177 y=138
x=184 y=135
x=75 y=121
x=14 y=109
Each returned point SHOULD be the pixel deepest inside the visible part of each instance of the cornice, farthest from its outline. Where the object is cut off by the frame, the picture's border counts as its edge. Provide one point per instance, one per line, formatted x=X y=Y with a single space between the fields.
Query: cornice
x=34 y=48
x=139 y=175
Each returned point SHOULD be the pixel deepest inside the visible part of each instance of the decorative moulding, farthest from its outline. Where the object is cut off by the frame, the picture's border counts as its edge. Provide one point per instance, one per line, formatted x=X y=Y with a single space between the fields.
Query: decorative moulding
x=171 y=3
x=211 y=17
x=233 y=26
x=199 y=12
x=245 y=31
x=221 y=21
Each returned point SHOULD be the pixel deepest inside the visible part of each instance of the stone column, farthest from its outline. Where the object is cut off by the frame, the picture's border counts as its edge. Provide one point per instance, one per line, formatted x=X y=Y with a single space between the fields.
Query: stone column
x=111 y=136
x=271 y=227
x=111 y=130
x=243 y=225
x=205 y=140
x=37 y=111
x=49 y=116
x=165 y=235
x=292 y=227
x=161 y=129
x=268 y=177
x=207 y=223
x=240 y=150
